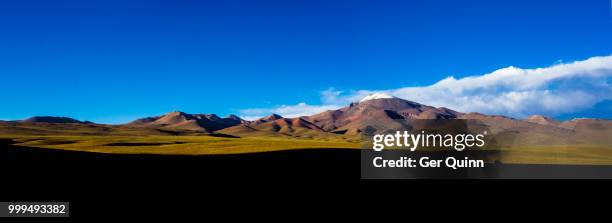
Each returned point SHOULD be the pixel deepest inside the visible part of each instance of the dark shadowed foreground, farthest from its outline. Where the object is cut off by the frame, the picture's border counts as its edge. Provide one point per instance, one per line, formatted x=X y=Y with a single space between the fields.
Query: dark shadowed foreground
x=49 y=168
x=105 y=185
x=50 y=165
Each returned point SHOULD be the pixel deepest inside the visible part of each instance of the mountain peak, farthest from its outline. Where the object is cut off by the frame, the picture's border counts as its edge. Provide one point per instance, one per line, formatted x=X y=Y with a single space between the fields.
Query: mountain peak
x=272 y=117
x=542 y=120
x=375 y=96
x=176 y=113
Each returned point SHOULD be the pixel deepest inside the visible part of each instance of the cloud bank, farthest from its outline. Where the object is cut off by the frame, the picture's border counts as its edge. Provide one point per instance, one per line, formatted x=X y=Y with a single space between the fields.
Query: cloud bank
x=558 y=89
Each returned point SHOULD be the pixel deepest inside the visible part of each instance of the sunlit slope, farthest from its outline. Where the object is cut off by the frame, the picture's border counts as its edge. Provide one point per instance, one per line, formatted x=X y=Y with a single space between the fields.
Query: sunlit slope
x=183 y=145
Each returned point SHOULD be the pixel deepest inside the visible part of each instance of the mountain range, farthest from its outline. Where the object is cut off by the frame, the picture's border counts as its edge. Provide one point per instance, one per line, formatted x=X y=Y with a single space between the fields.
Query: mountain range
x=375 y=113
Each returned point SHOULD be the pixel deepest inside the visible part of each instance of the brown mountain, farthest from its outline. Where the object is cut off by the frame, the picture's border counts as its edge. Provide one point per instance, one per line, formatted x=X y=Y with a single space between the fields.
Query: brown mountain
x=377 y=114
x=389 y=113
x=268 y=118
x=382 y=113
x=585 y=123
x=277 y=125
x=280 y=124
x=195 y=122
x=69 y=127
x=543 y=120
x=589 y=130
x=513 y=132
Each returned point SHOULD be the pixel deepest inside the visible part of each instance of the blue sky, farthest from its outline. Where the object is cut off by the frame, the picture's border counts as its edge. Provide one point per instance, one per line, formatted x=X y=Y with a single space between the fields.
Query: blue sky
x=113 y=61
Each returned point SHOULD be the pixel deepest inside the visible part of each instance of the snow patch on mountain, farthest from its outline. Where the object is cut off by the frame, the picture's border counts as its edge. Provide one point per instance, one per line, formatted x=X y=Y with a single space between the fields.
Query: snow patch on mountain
x=375 y=96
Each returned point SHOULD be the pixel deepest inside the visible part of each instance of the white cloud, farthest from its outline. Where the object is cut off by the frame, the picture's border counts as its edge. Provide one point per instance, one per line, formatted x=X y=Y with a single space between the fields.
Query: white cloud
x=288 y=111
x=561 y=88
x=557 y=89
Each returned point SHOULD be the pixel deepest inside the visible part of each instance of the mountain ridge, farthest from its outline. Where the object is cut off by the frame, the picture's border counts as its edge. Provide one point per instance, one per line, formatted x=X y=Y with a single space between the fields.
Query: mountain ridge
x=52 y=119
x=378 y=113
x=181 y=120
